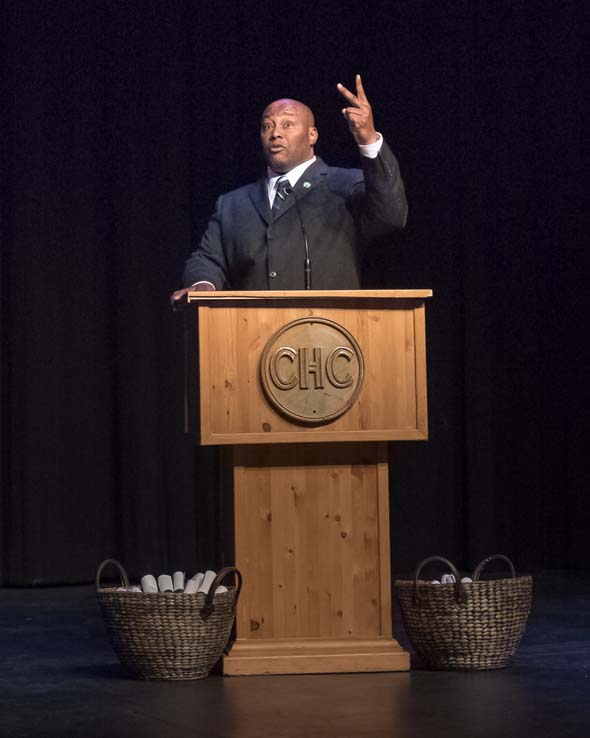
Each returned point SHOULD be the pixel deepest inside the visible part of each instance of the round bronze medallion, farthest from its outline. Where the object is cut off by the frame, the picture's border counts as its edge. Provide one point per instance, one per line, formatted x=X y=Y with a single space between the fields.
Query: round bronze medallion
x=311 y=370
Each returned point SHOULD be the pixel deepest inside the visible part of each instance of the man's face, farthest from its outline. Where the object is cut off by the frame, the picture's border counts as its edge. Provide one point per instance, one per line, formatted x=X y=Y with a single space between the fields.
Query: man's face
x=287 y=134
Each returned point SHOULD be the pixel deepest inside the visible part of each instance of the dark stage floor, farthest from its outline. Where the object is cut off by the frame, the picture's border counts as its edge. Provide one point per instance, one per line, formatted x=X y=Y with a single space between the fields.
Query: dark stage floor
x=59 y=677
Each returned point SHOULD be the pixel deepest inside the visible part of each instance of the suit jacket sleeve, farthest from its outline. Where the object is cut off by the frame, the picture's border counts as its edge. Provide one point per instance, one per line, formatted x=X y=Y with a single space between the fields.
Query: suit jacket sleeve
x=208 y=262
x=379 y=203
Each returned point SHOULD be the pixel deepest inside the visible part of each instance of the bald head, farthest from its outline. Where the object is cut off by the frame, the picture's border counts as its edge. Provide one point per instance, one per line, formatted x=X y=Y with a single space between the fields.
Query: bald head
x=290 y=107
x=288 y=134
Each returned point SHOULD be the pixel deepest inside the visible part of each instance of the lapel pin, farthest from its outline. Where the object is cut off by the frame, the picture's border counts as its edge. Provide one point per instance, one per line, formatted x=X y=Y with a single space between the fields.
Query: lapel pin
x=307 y=185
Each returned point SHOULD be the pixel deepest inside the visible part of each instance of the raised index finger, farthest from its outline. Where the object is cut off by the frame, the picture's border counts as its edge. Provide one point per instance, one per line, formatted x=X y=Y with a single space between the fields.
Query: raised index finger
x=351 y=97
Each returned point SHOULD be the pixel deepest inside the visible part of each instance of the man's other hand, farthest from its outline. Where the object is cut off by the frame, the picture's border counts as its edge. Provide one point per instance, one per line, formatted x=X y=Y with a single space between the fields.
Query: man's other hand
x=199 y=287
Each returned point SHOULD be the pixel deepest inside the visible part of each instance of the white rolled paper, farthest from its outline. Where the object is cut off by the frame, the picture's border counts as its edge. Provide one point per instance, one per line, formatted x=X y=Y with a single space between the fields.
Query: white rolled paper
x=135 y=588
x=465 y=580
x=435 y=581
x=194 y=583
x=178 y=581
x=207 y=581
x=190 y=587
x=447 y=579
x=220 y=589
x=165 y=583
x=149 y=584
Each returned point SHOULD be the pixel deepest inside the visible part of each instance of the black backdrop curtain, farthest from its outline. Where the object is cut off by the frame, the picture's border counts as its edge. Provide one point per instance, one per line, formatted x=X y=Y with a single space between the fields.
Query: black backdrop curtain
x=121 y=123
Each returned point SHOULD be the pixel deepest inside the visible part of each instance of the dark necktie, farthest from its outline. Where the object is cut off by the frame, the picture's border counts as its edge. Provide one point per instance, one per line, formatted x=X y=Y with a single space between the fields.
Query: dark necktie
x=282 y=188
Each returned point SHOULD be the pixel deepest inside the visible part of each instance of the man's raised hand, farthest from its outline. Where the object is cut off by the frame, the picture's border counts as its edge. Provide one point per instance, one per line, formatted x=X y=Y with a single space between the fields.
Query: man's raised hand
x=359 y=114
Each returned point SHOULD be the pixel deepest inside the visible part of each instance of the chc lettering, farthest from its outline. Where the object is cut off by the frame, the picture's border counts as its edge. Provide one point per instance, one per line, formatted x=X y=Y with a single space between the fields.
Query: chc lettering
x=302 y=367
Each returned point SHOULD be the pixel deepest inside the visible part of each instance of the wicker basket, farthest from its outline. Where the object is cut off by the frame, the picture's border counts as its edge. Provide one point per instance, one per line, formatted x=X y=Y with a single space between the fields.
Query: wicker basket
x=465 y=626
x=168 y=635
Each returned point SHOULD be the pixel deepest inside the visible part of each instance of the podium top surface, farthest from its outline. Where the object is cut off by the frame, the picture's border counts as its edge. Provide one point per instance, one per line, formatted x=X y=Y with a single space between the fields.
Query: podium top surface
x=204 y=297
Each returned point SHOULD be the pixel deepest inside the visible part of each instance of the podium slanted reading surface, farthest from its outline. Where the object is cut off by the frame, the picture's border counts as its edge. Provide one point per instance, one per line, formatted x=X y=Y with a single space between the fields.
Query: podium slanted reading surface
x=304 y=389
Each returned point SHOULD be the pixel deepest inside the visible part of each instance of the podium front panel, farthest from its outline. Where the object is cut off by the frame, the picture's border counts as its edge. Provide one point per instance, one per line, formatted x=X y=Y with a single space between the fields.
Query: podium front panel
x=386 y=337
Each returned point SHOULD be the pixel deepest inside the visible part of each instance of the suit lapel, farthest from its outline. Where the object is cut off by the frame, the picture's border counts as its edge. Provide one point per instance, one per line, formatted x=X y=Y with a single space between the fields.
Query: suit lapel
x=259 y=196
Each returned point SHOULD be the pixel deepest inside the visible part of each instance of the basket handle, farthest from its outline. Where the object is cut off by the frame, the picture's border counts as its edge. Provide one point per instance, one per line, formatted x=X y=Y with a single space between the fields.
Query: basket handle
x=209 y=608
x=479 y=568
x=460 y=594
x=120 y=567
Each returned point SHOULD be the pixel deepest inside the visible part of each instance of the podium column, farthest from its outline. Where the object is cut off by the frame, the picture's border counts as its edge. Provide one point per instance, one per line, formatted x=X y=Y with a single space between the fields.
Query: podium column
x=312 y=539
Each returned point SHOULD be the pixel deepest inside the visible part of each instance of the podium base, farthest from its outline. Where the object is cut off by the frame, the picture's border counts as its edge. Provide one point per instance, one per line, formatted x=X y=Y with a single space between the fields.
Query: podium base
x=315 y=656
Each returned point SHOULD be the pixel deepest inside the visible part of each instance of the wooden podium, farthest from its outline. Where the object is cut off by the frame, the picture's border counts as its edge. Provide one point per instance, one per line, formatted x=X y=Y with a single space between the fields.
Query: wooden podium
x=304 y=389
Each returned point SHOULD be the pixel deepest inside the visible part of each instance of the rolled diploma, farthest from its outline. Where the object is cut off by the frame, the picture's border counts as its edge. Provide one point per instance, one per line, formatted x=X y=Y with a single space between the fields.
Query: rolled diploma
x=165 y=583
x=207 y=581
x=194 y=583
x=149 y=584
x=178 y=581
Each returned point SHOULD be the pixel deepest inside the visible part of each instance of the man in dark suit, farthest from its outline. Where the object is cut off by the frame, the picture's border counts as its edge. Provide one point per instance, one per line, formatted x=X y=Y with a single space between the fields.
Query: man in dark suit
x=256 y=239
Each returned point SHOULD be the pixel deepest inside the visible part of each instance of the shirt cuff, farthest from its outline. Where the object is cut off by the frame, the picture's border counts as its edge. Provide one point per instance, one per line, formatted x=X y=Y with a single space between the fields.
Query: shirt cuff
x=371 y=151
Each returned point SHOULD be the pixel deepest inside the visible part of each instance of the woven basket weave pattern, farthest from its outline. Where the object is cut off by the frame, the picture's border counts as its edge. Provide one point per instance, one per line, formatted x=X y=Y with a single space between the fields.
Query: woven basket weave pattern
x=481 y=632
x=166 y=635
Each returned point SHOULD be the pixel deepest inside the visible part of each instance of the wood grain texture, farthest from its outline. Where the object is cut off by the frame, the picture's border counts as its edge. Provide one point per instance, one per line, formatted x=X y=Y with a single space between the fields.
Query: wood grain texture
x=210 y=298
x=315 y=656
x=312 y=543
x=390 y=406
